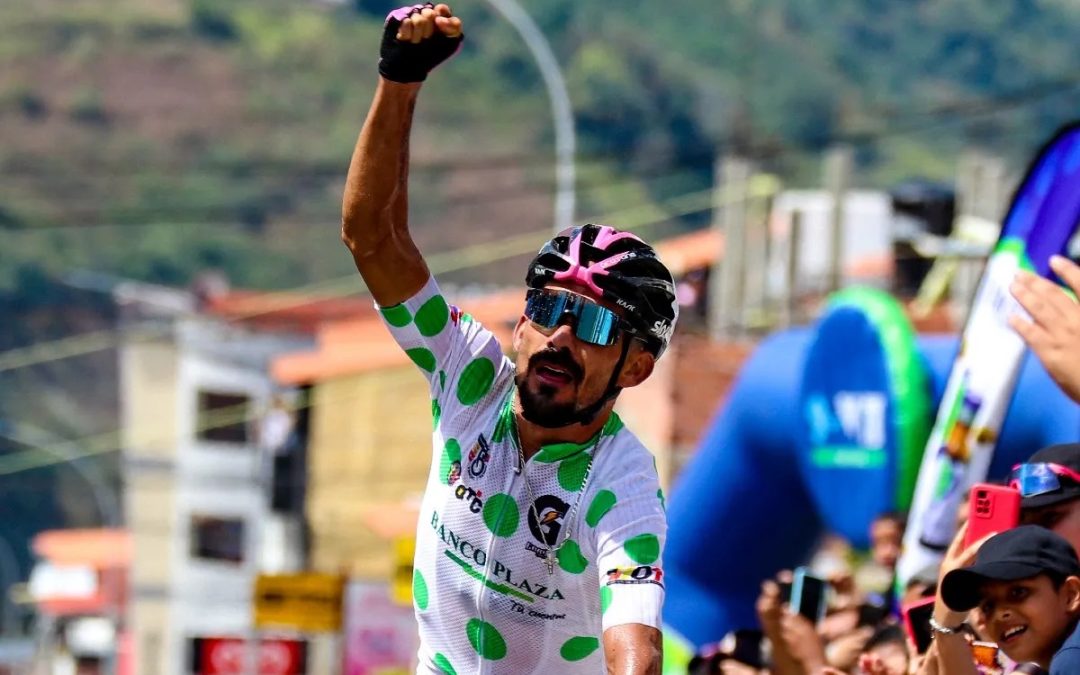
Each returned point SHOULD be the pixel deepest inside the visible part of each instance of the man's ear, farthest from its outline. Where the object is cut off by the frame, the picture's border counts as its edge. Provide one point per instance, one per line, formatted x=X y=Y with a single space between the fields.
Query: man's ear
x=638 y=367
x=1071 y=588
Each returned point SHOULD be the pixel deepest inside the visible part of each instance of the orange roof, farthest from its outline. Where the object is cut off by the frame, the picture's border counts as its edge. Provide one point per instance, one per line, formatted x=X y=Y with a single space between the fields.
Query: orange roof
x=358 y=346
x=287 y=311
x=353 y=347
x=100 y=548
x=691 y=251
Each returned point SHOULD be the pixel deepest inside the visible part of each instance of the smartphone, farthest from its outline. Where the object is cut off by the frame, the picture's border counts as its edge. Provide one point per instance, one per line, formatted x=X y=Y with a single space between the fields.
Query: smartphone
x=916 y=616
x=785 y=591
x=993 y=508
x=986 y=654
x=872 y=614
x=747 y=648
x=808 y=595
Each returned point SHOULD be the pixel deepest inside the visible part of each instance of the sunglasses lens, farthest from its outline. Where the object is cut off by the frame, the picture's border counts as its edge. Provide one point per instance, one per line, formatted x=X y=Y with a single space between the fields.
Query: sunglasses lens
x=1034 y=479
x=597 y=325
x=592 y=323
x=545 y=309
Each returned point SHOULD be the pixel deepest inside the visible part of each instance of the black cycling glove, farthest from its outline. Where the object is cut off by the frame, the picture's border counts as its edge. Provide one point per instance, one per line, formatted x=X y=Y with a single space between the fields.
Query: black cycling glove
x=407 y=62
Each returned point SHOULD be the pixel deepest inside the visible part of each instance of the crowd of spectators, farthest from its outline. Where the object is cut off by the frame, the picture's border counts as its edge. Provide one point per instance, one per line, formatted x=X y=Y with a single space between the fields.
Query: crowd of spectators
x=1007 y=603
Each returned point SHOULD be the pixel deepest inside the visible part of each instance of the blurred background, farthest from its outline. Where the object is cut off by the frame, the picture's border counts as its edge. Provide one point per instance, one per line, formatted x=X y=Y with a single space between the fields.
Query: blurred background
x=206 y=436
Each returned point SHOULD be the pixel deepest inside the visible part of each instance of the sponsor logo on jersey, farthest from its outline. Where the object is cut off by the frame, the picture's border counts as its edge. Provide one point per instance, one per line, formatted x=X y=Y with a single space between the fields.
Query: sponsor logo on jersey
x=479 y=457
x=454 y=473
x=471 y=497
x=642 y=574
x=551 y=511
x=499 y=576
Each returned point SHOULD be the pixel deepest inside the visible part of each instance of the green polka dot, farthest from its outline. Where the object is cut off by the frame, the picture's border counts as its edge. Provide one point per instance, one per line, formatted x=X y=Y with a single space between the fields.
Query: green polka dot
x=451 y=453
x=485 y=639
x=601 y=504
x=605 y=598
x=419 y=590
x=432 y=316
x=442 y=380
x=501 y=515
x=570 y=558
x=436 y=413
x=663 y=502
x=643 y=549
x=475 y=381
x=422 y=357
x=572 y=471
x=577 y=648
x=444 y=664
x=397 y=316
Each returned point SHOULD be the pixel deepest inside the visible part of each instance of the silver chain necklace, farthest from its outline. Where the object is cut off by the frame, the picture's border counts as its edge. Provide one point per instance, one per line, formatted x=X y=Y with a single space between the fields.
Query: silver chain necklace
x=551 y=549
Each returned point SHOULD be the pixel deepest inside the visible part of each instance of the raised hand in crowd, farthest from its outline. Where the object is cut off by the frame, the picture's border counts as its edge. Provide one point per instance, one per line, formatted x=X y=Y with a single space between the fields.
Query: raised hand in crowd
x=770 y=611
x=802 y=642
x=1053 y=332
x=953 y=653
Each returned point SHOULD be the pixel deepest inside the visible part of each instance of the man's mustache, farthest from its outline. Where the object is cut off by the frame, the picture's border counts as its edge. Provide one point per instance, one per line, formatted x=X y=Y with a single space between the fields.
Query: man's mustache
x=556 y=357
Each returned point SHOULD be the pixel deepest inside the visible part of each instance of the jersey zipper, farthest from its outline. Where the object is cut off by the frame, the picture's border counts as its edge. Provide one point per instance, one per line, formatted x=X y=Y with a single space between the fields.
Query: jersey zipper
x=492 y=543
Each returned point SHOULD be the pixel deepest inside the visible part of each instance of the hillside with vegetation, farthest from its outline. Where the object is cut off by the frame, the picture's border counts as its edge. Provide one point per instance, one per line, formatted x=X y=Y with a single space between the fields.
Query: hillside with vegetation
x=153 y=139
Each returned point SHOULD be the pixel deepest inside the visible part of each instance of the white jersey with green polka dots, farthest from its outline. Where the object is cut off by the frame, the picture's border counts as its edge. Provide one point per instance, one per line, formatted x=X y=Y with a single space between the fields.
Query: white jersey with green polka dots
x=485 y=599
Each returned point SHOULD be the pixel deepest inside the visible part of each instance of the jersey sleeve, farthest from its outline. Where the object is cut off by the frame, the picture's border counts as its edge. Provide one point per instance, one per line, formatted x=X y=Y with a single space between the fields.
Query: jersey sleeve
x=630 y=529
x=458 y=356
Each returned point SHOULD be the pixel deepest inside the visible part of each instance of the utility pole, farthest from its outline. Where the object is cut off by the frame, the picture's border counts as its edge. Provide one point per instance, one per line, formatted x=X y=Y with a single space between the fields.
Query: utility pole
x=726 y=282
x=788 y=294
x=837 y=170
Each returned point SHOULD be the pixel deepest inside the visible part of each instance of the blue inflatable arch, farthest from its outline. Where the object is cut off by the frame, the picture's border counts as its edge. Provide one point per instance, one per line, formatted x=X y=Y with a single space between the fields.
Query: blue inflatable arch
x=749 y=503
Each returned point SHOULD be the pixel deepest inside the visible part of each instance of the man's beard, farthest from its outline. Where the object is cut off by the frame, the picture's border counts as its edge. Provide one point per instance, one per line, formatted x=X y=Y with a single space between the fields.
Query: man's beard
x=538 y=407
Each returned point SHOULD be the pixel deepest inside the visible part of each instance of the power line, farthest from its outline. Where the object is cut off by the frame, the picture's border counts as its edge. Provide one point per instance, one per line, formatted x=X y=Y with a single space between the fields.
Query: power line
x=466 y=257
x=108 y=442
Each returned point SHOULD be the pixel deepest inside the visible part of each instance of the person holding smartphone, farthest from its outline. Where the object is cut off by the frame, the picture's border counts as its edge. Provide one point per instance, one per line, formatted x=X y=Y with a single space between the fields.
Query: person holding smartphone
x=540 y=544
x=1049 y=486
x=1025 y=583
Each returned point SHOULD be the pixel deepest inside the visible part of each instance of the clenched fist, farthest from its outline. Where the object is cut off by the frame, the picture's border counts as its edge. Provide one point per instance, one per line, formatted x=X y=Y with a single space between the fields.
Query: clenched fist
x=416 y=39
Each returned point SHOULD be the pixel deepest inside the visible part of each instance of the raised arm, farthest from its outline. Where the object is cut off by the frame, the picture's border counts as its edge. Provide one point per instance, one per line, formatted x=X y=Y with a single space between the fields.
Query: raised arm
x=374 y=210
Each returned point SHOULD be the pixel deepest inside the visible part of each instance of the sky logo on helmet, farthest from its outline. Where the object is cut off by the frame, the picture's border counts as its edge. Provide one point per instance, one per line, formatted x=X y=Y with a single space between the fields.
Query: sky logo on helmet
x=662 y=329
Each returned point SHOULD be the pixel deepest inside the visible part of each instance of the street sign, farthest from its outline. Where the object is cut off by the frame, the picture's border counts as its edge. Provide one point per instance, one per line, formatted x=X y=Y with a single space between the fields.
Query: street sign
x=401 y=582
x=307 y=601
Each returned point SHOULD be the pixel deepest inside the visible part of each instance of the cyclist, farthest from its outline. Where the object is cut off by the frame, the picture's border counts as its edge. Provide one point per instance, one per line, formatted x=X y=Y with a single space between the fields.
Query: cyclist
x=542 y=525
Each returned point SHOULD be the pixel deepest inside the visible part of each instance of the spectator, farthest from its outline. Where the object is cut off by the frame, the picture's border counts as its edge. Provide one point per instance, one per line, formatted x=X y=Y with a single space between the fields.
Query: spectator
x=886 y=537
x=886 y=653
x=1026 y=584
x=1049 y=485
x=1053 y=332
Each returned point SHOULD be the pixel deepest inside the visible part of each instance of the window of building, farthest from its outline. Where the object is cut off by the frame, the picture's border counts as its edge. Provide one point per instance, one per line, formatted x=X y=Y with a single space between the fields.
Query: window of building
x=223 y=417
x=214 y=538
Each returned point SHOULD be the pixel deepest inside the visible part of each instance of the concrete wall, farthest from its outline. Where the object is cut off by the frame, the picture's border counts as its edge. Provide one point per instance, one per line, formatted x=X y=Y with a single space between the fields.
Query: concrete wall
x=148 y=378
x=370 y=446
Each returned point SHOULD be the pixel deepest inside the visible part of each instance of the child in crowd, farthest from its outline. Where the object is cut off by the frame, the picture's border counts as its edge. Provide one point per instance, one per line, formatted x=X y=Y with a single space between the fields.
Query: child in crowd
x=1025 y=583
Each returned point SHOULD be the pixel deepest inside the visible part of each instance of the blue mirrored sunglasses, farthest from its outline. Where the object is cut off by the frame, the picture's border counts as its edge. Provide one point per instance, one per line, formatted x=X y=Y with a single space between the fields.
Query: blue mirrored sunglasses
x=592 y=323
x=1040 y=478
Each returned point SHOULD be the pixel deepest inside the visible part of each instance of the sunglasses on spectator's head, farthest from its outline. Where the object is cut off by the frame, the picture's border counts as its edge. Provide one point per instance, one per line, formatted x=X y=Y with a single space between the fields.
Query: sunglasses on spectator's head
x=592 y=323
x=1040 y=478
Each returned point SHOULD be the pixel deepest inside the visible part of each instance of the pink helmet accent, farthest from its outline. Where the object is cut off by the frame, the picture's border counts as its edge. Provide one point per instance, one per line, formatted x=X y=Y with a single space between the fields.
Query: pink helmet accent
x=584 y=274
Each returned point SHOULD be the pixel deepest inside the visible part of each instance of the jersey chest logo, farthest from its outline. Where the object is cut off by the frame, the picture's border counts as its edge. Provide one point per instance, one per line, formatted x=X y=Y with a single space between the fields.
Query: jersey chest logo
x=478 y=458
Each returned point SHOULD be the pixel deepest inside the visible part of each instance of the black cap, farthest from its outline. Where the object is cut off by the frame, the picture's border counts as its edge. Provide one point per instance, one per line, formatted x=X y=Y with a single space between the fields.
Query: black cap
x=1020 y=553
x=1065 y=454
